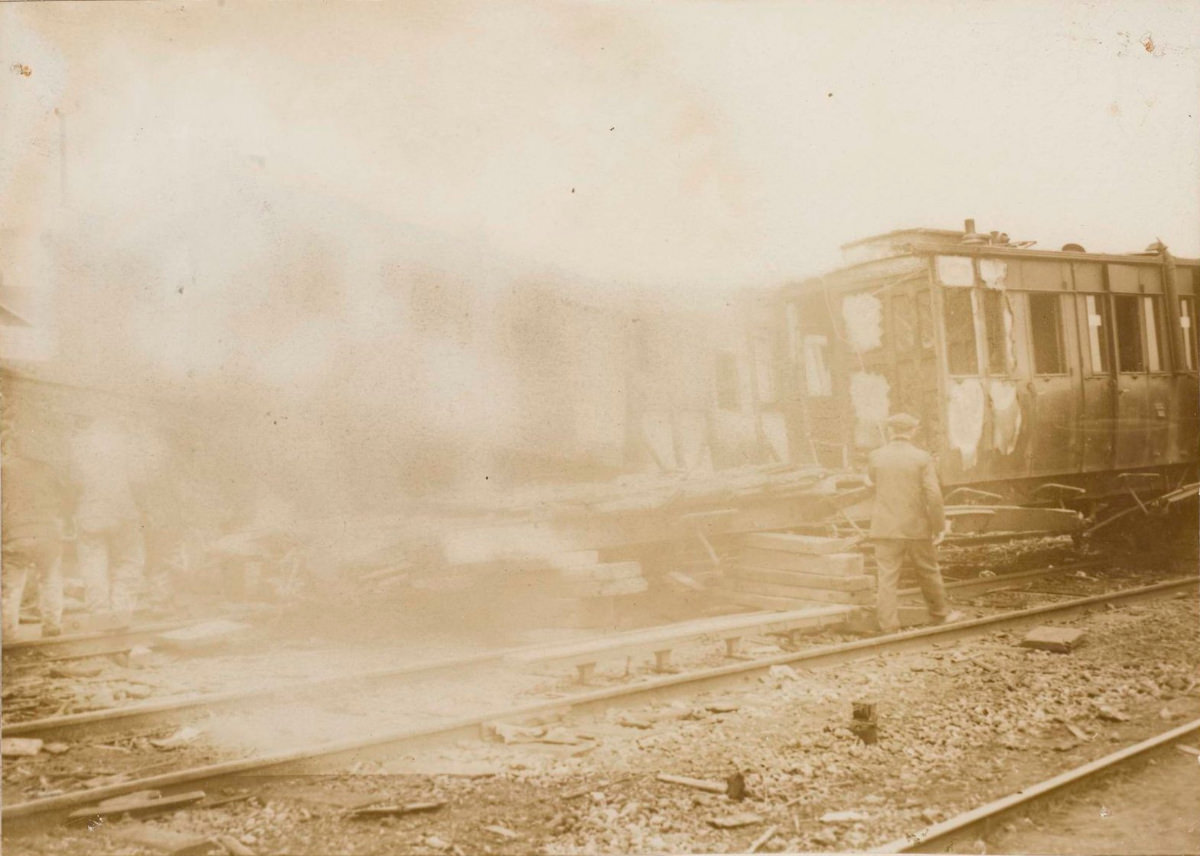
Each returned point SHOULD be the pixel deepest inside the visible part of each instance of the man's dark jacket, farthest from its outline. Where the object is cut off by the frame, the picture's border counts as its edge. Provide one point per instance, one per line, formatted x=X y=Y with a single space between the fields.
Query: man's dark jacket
x=908 y=498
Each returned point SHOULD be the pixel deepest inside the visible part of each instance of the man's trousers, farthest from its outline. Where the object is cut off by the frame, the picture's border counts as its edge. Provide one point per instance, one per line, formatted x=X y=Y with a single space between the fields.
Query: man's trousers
x=890 y=554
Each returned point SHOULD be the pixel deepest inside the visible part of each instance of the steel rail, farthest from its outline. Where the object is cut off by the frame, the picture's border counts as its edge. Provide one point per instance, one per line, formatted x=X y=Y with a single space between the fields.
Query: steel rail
x=936 y=838
x=100 y=643
x=340 y=752
x=101 y=723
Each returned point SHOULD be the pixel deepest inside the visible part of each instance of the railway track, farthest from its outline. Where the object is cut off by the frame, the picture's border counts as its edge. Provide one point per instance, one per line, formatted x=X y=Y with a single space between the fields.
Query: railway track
x=175 y=711
x=959 y=833
x=339 y=754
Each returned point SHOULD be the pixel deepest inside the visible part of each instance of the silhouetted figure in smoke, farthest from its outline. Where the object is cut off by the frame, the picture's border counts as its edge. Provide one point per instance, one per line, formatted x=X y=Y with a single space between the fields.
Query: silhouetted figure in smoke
x=34 y=511
x=110 y=546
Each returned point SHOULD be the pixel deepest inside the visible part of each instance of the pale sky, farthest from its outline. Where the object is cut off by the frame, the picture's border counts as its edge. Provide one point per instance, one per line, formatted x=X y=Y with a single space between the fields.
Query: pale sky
x=703 y=141
x=688 y=146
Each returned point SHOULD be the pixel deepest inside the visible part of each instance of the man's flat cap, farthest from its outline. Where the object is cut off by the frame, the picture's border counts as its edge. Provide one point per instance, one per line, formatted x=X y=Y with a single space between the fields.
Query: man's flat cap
x=902 y=423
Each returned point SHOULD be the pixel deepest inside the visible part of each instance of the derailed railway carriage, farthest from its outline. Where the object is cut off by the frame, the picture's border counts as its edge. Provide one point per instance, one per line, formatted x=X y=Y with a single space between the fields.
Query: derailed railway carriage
x=1053 y=378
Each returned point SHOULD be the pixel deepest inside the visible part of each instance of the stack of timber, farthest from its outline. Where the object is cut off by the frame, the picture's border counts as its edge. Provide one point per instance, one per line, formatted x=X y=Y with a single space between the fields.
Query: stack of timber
x=780 y=571
x=589 y=591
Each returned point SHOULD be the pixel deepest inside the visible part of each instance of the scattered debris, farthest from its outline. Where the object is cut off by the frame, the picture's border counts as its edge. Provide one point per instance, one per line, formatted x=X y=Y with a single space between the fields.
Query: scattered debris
x=1188 y=750
x=166 y=840
x=1060 y=640
x=1077 y=732
x=631 y=722
x=864 y=721
x=762 y=839
x=735 y=786
x=182 y=737
x=699 y=784
x=368 y=812
x=139 y=656
x=232 y=846
x=733 y=821
x=721 y=707
x=781 y=673
x=198 y=637
x=502 y=831
x=509 y=733
x=20 y=747
x=76 y=670
x=844 y=817
x=137 y=804
x=1110 y=714
x=57 y=748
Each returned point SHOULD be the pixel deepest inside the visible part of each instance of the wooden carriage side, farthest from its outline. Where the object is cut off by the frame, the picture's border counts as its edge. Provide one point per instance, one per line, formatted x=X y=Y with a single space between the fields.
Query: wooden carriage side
x=1024 y=366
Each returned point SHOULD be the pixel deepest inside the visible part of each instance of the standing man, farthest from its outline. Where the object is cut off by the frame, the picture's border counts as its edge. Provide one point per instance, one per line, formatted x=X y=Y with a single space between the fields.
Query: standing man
x=908 y=521
x=34 y=510
x=109 y=543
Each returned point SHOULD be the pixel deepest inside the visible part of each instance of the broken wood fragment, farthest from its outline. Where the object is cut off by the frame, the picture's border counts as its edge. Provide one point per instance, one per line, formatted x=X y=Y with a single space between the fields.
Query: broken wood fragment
x=20 y=747
x=234 y=847
x=733 y=821
x=699 y=784
x=135 y=807
x=1060 y=640
x=395 y=810
x=502 y=831
x=762 y=839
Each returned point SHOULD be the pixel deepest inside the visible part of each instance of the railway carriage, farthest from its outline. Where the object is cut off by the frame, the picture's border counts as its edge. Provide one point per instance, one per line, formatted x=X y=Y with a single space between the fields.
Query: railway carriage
x=1040 y=377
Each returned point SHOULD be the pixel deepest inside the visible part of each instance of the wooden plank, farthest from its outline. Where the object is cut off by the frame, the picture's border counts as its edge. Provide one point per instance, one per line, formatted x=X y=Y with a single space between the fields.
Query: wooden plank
x=575 y=559
x=815 y=595
x=832 y=564
x=594 y=571
x=796 y=578
x=789 y=604
x=807 y=544
x=605 y=588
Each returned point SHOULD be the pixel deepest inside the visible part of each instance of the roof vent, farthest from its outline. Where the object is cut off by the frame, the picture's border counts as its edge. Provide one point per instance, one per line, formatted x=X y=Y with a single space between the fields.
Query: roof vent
x=970 y=236
x=1073 y=248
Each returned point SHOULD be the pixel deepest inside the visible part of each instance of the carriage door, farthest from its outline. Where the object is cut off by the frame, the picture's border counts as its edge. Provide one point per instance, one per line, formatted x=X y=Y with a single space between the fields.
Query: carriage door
x=1186 y=394
x=1143 y=383
x=1096 y=427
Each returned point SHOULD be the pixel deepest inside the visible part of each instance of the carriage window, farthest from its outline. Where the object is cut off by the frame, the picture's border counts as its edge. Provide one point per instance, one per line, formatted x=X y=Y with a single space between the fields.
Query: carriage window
x=961 y=354
x=997 y=334
x=1187 y=320
x=764 y=367
x=1153 y=338
x=925 y=319
x=904 y=316
x=1045 y=316
x=1129 y=334
x=1098 y=327
x=727 y=381
x=816 y=370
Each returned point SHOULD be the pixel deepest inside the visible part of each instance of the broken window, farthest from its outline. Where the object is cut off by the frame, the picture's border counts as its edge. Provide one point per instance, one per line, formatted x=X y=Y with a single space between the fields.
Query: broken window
x=1045 y=317
x=904 y=317
x=1187 y=320
x=1129 y=334
x=925 y=319
x=997 y=331
x=961 y=354
x=727 y=381
x=764 y=367
x=1153 y=333
x=816 y=369
x=1098 y=332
